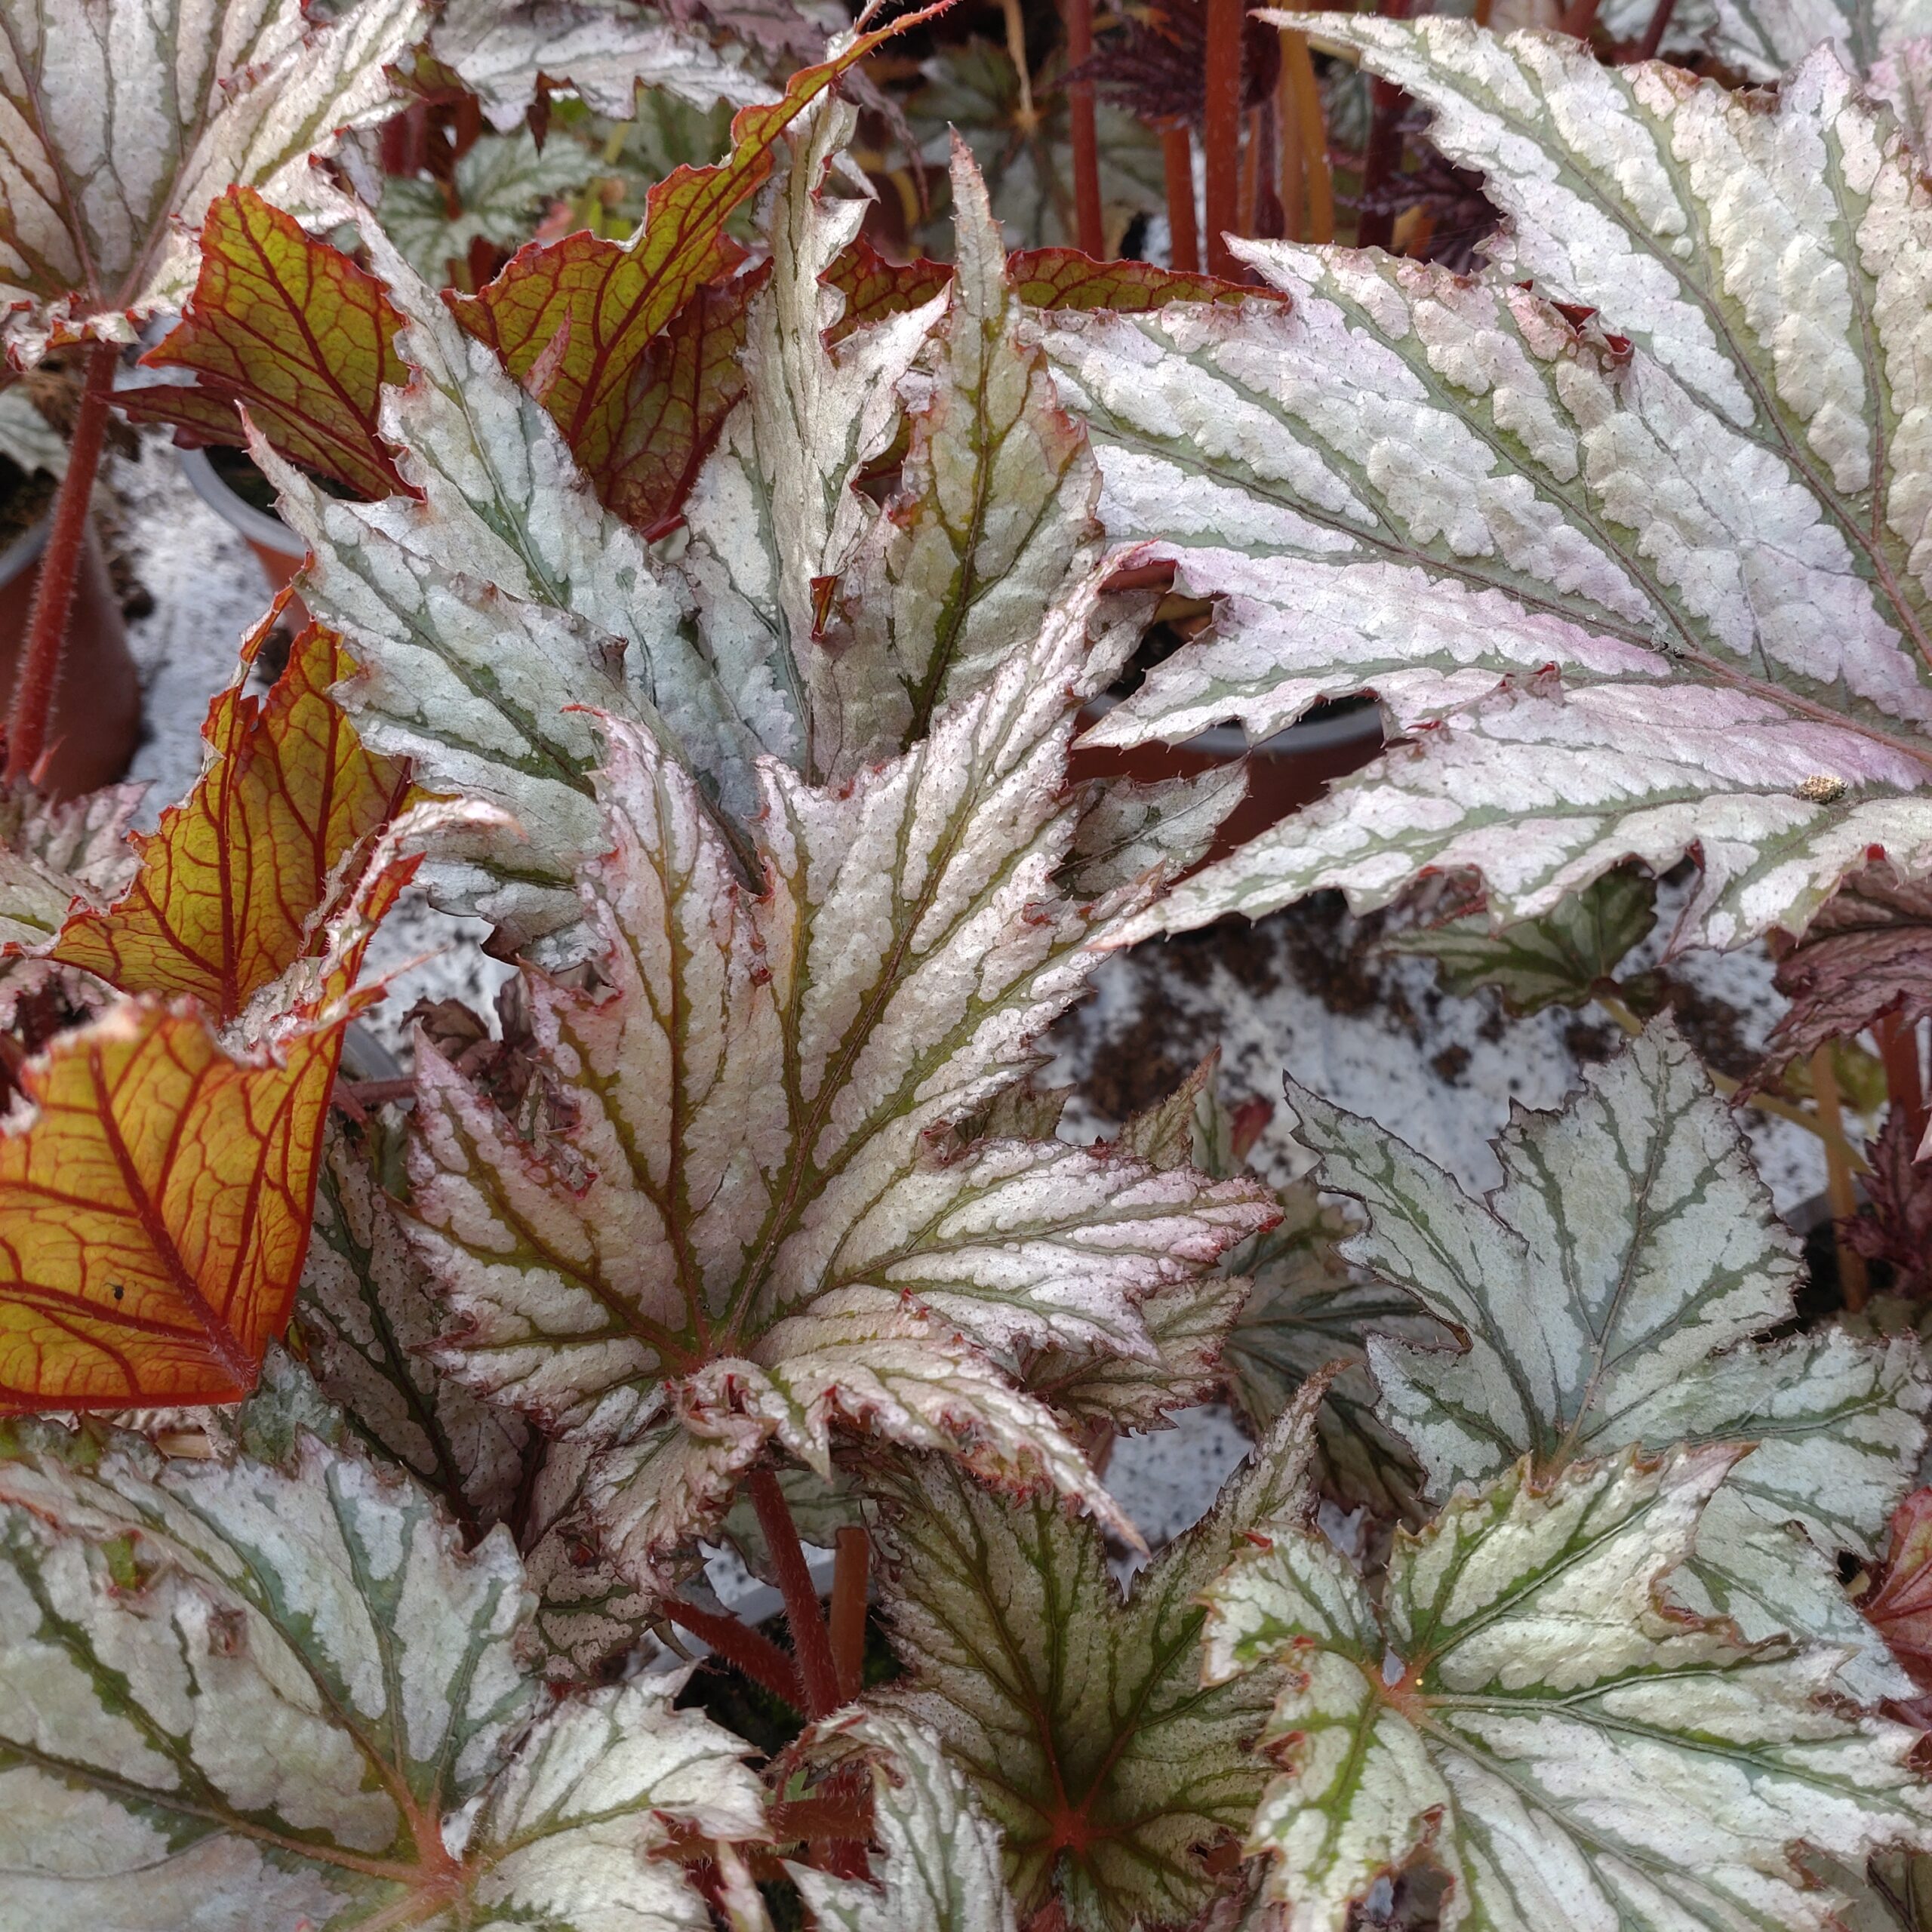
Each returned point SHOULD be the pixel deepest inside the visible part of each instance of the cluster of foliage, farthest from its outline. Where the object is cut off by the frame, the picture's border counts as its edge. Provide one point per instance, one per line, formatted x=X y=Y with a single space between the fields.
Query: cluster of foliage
x=712 y=608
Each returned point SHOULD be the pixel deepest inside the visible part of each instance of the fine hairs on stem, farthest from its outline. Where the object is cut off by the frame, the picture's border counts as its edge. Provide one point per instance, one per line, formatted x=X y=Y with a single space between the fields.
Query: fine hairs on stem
x=60 y=565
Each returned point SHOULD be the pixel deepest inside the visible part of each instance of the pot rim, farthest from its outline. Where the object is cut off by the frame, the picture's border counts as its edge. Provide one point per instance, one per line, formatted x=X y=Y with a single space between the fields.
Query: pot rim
x=1230 y=741
x=257 y=526
x=21 y=555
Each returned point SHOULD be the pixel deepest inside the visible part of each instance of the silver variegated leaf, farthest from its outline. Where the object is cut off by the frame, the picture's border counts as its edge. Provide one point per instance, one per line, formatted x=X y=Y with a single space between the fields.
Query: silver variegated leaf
x=124 y=123
x=1634 y=586
x=937 y=1867
x=750 y=1226
x=242 y=1694
x=502 y=185
x=1526 y=1709
x=775 y=519
x=1610 y=1291
x=1762 y=40
x=485 y=616
x=54 y=856
x=993 y=519
x=604 y=50
x=1079 y=1719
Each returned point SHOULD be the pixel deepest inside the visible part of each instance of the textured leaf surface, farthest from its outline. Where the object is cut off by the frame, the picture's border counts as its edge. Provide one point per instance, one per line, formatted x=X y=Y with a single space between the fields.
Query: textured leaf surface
x=1560 y=959
x=776 y=519
x=1898 y=1229
x=604 y=52
x=154 y=1213
x=54 y=858
x=1306 y=1310
x=293 y=328
x=1609 y=1291
x=252 y=1695
x=1762 y=39
x=122 y=121
x=937 y=1868
x=367 y=1315
x=1528 y=1711
x=1080 y=1721
x=506 y=541
x=746 y=1204
x=1652 y=582
x=589 y=307
x=993 y=517
x=235 y=885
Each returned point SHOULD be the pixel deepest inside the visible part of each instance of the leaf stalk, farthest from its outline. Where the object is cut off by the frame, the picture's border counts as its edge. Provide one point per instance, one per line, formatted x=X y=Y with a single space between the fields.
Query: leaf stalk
x=59 y=566
x=811 y=1644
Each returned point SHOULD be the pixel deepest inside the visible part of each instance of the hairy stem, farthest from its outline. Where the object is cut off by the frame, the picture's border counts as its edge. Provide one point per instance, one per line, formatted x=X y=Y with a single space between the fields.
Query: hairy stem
x=810 y=1642
x=745 y=1649
x=1221 y=135
x=60 y=565
x=1304 y=146
x=848 y=1611
x=1090 y=230
x=1177 y=165
x=1839 y=1186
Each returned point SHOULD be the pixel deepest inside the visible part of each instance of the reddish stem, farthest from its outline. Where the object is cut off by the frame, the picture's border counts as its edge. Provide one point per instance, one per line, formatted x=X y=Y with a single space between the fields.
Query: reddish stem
x=1221 y=135
x=738 y=1645
x=1653 y=34
x=1905 y=1086
x=848 y=1612
x=810 y=1643
x=1177 y=161
x=1090 y=228
x=60 y=565
x=822 y=1820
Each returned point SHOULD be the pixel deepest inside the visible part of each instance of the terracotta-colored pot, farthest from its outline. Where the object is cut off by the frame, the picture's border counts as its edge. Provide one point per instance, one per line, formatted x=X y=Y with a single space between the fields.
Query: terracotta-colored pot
x=278 y=549
x=1290 y=770
x=97 y=716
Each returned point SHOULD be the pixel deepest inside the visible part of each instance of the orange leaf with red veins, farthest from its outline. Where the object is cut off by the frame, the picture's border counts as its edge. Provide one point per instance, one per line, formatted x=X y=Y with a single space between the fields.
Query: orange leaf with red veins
x=233 y=887
x=154 y=1215
x=613 y=298
x=687 y=382
x=293 y=328
x=1900 y=1608
x=155 y=1210
x=874 y=288
x=1065 y=278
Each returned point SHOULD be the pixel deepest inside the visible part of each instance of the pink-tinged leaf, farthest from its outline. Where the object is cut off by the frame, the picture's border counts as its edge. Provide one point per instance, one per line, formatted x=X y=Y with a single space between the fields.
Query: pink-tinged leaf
x=747 y=1226
x=1629 y=580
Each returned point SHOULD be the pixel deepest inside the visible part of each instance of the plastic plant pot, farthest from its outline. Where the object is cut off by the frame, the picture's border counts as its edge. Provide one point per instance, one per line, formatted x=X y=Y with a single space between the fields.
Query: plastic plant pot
x=95 y=721
x=278 y=549
x=1284 y=773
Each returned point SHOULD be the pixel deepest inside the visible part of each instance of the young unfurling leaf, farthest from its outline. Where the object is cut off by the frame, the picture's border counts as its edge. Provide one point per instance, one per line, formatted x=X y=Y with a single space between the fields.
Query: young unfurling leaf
x=1526 y=1710
x=274 y=1693
x=58 y=858
x=125 y=123
x=1633 y=582
x=1900 y=1606
x=1609 y=1292
x=748 y=1227
x=1079 y=1719
x=236 y=885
